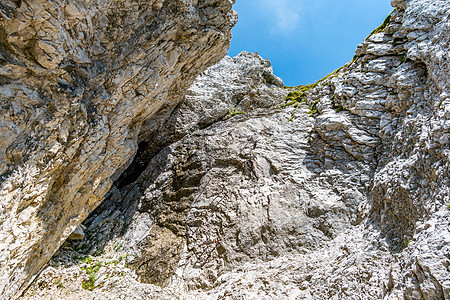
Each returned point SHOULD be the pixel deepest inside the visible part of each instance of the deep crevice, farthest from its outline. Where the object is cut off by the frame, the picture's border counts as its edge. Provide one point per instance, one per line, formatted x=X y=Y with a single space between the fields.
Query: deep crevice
x=132 y=173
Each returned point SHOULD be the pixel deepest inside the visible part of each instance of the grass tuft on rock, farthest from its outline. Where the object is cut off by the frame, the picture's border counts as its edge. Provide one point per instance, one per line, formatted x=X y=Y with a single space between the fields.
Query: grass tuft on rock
x=91 y=271
x=299 y=93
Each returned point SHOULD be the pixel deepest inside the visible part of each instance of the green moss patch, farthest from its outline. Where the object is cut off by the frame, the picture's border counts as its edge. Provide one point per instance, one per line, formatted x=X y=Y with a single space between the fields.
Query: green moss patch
x=383 y=26
x=313 y=108
x=298 y=94
x=91 y=271
x=234 y=112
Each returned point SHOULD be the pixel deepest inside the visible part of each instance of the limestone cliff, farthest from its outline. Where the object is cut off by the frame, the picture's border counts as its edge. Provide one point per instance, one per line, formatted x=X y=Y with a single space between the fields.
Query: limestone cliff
x=247 y=190
x=77 y=80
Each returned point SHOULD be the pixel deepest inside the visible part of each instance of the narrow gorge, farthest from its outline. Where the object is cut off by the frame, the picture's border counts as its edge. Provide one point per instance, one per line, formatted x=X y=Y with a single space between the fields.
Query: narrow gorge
x=140 y=162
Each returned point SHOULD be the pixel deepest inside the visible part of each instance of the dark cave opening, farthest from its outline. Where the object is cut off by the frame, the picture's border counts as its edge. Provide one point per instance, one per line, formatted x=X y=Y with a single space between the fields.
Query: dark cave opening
x=135 y=169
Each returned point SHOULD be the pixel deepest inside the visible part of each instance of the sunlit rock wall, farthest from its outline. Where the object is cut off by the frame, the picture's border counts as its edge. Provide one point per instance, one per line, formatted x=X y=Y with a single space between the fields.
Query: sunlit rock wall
x=77 y=79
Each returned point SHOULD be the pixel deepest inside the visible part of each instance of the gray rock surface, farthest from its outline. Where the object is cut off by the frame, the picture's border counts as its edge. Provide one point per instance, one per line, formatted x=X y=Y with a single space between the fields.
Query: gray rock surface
x=77 y=80
x=343 y=193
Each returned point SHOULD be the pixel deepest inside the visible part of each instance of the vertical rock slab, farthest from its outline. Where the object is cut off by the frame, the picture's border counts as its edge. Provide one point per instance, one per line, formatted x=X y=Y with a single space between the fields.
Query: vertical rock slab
x=77 y=80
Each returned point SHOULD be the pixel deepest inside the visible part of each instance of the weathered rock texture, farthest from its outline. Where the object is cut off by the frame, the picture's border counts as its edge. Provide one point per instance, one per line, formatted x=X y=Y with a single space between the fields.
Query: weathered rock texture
x=346 y=203
x=342 y=193
x=77 y=80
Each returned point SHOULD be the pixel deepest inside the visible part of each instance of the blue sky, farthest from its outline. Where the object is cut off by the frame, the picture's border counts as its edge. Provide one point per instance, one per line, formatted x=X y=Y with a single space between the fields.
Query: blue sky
x=305 y=40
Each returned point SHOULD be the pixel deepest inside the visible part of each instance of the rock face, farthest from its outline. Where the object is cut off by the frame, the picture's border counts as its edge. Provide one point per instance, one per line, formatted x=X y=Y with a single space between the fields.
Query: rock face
x=340 y=192
x=77 y=80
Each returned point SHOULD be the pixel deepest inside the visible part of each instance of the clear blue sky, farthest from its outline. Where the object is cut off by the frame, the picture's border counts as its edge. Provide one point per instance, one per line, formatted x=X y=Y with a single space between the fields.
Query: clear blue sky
x=305 y=40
